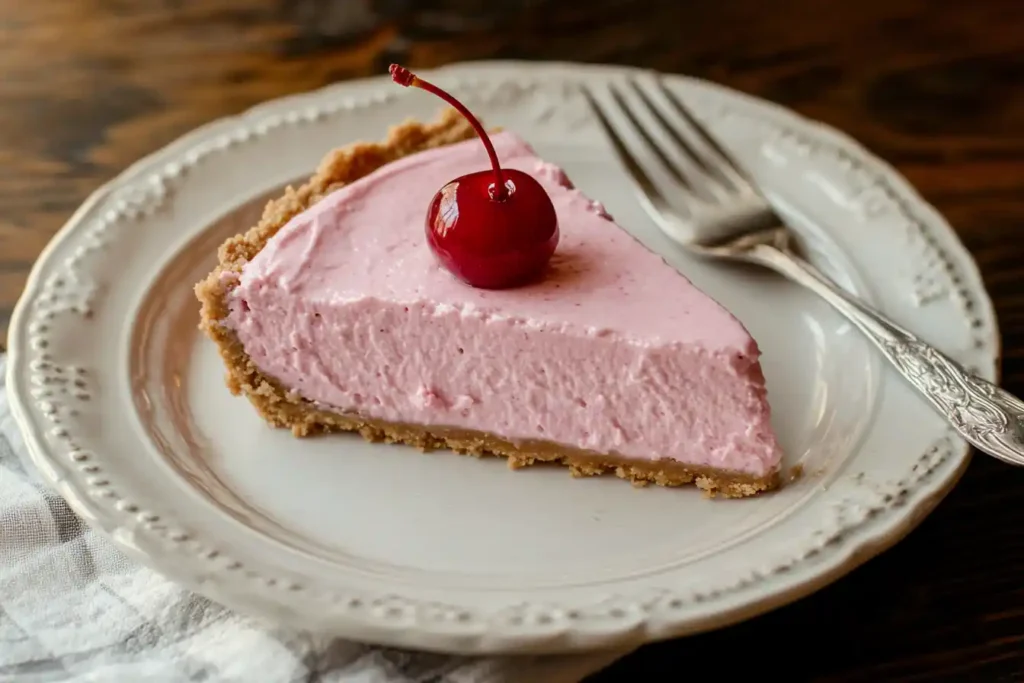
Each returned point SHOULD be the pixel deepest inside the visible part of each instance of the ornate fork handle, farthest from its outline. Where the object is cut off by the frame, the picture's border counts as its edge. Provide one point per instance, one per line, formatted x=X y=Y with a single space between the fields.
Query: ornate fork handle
x=988 y=417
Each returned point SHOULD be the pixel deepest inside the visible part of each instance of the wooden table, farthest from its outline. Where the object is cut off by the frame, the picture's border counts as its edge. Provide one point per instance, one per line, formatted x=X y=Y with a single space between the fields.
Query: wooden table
x=88 y=86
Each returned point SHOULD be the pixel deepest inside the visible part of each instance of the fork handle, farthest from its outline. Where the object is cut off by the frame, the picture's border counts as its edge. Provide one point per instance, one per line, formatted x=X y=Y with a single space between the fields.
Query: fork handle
x=988 y=417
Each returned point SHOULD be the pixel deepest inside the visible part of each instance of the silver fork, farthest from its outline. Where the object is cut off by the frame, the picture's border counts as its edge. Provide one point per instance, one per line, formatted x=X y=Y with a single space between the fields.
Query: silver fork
x=720 y=213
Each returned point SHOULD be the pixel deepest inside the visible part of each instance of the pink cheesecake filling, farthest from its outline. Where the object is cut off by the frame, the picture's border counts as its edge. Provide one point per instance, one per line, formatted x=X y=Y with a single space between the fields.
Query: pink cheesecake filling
x=612 y=352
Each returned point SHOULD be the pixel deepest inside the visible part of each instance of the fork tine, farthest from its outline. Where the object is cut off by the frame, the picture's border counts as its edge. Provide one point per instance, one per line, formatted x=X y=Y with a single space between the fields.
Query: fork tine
x=672 y=152
x=648 y=188
x=696 y=167
x=713 y=156
x=641 y=131
x=650 y=196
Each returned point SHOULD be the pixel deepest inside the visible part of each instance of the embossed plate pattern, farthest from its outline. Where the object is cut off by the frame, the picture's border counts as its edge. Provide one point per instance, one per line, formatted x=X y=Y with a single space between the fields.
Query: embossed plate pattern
x=122 y=404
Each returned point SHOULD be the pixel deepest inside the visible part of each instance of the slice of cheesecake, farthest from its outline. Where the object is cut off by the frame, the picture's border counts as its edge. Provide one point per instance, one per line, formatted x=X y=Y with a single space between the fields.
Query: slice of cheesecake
x=332 y=314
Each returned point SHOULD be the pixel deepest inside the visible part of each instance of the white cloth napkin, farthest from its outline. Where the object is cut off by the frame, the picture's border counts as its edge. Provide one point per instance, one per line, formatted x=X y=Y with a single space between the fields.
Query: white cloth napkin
x=74 y=609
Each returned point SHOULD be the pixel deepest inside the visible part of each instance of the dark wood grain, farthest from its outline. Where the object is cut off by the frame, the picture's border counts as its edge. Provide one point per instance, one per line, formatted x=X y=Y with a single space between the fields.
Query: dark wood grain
x=88 y=86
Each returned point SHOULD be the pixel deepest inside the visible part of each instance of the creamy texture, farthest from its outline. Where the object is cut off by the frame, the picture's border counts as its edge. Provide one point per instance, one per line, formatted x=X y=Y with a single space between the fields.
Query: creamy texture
x=613 y=351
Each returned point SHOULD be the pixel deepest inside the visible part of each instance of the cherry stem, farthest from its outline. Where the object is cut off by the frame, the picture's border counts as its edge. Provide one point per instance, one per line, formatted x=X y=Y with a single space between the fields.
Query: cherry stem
x=404 y=77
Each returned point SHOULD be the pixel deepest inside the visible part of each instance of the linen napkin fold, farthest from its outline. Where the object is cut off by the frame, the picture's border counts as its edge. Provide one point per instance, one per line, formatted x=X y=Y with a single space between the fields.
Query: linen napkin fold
x=73 y=609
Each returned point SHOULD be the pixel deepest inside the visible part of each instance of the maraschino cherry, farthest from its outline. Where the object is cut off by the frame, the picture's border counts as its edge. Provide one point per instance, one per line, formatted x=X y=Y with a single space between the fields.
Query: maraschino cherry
x=491 y=229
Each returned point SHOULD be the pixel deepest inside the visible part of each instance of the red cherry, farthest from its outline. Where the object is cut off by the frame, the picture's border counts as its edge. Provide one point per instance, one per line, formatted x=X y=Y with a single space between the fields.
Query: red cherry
x=490 y=243
x=491 y=229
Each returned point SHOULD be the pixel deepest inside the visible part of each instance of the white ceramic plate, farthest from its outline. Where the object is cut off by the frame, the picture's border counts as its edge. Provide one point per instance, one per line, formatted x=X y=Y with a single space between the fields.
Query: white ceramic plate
x=123 y=406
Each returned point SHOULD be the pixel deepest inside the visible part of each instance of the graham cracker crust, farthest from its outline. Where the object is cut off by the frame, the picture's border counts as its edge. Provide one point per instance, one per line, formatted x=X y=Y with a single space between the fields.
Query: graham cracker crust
x=282 y=408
